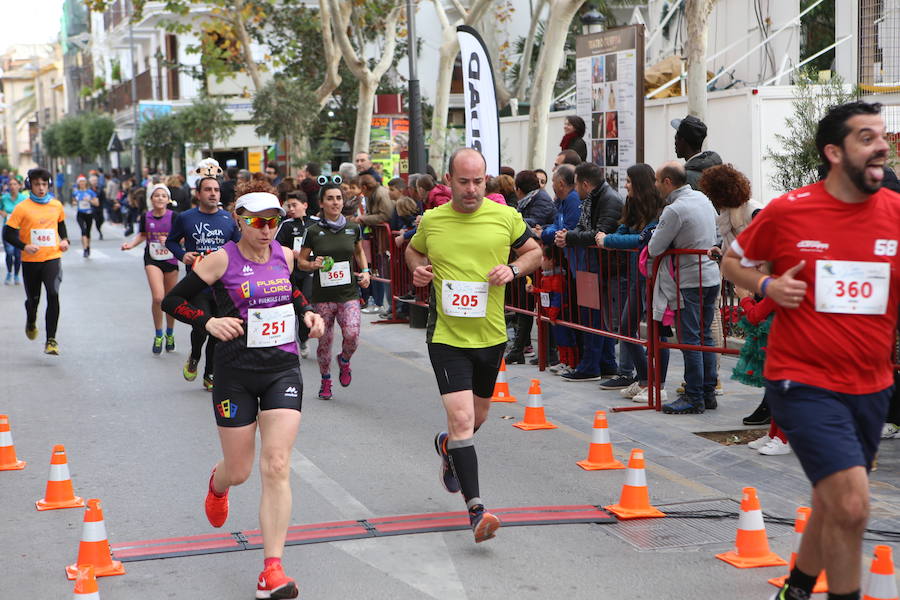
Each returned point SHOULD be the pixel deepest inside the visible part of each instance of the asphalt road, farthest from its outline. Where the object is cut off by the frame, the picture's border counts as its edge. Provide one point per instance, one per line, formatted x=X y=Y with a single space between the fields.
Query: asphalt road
x=142 y=440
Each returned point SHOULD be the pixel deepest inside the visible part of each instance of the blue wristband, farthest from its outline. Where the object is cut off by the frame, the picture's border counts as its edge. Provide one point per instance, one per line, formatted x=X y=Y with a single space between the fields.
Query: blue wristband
x=765 y=284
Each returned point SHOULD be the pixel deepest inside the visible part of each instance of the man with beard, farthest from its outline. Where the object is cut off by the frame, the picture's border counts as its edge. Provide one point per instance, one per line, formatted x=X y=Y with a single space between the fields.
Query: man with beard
x=831 y=248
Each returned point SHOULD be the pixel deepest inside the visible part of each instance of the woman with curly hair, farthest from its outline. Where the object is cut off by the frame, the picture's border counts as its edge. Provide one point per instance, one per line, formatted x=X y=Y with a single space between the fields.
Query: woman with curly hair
x=729 y=191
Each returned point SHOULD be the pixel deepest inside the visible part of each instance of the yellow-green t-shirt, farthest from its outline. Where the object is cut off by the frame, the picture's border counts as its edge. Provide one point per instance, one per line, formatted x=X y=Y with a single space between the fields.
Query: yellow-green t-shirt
x=465 y=247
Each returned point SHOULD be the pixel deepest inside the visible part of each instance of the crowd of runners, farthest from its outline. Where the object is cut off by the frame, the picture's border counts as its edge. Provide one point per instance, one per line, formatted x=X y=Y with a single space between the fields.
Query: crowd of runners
x=271 y=263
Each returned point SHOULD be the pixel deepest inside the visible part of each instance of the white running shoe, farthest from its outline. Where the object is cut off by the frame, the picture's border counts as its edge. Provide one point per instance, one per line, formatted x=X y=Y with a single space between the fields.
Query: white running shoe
x=759 y=442
x=555 y=369
x=890 y=431
x=632 y=390
x=644 y=395
x=775 y=448
x=565 y=370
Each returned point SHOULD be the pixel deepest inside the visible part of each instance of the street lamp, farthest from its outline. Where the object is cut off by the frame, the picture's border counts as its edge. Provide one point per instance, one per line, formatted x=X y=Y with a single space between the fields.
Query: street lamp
x=593 y=21
x=416 y=127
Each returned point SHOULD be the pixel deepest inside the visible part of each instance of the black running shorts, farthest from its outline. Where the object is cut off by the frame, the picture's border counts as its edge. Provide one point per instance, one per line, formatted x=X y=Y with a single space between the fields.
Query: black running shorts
x=239 y=395
x=163 y=265
x=461 y=369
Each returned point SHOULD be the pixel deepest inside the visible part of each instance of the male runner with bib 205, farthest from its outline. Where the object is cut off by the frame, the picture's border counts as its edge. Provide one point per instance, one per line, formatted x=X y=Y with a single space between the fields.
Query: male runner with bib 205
x=462 y=249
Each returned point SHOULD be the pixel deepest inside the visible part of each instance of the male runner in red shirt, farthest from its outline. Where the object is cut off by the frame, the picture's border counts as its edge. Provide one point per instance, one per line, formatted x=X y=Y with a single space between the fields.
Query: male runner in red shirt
x=833 y=250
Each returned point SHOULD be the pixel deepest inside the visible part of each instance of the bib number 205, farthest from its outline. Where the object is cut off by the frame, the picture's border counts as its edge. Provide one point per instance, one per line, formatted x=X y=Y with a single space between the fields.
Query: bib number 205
x=464 y=298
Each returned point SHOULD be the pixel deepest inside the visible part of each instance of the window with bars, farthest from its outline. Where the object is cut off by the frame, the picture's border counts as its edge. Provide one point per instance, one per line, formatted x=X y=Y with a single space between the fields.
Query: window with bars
x=879 y=56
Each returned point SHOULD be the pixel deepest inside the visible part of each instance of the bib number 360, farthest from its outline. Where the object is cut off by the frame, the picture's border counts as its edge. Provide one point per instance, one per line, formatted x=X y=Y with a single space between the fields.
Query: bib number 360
x=464 y=298
x=852 y=287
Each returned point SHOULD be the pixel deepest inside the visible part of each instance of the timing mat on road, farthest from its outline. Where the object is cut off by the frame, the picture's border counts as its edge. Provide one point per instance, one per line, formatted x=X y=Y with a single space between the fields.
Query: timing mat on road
x=214 y=543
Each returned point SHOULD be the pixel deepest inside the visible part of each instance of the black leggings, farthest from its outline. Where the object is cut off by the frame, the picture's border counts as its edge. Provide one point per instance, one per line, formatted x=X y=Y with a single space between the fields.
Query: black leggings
x=48 y=274
x=198 y=336
x=98 y=219
x=85 y=220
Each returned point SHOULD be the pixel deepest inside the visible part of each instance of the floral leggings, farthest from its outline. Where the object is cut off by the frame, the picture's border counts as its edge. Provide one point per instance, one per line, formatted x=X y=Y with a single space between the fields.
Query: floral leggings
x=348 y=317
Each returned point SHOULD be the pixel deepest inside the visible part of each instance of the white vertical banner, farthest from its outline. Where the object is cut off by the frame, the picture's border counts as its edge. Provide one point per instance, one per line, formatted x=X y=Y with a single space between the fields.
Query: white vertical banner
x=482 y=119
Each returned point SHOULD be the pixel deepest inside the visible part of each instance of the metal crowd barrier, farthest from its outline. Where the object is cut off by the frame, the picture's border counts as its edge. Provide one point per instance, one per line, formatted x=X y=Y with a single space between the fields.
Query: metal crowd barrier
x=595 y=285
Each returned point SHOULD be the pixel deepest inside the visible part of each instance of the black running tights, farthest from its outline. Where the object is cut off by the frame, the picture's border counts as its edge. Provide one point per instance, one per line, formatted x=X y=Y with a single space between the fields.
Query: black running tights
x=48 y=274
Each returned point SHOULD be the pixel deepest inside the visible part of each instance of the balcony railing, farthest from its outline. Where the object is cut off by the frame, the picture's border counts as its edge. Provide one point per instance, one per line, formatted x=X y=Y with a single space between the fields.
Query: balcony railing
x=120 y=95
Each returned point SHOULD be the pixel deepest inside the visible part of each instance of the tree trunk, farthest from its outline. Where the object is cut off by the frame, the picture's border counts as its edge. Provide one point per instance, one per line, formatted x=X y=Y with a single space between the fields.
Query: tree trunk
x=449 y=50
x=549 y=60
x=364 y=108
x=697 y=12
x=252 y=69
x=332 y=57
x=525 y=65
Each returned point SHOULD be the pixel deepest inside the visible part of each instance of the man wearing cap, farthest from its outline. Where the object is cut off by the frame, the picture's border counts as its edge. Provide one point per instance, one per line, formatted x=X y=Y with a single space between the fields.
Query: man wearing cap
x=196 y=233
x=689 y=135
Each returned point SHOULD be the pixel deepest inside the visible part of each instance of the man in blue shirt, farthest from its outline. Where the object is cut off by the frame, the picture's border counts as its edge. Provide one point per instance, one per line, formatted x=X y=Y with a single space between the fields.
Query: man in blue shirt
x=202 y=230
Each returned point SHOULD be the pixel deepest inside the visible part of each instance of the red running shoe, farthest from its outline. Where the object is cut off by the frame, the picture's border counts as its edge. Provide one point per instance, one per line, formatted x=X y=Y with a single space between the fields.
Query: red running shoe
x=216 y=506
x=344 y=365
x=273 y=583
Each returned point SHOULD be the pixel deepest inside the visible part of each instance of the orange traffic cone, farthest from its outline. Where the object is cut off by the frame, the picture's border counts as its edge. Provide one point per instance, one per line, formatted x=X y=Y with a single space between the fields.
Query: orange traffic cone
x=94 y=547
x=86 y=584
x=534 y=412
x=600 y=452
x=501 y=387
x=59 y=493
x=752 y=546
x=635 y=500
x=8 y=460
x=803 y=514
x=880 y=582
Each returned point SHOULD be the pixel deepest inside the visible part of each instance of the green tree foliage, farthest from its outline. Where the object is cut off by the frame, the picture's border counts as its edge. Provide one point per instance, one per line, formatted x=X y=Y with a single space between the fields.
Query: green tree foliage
x=96 y=129
x=50 y=139
x=70 y=137
x=796 y=160
x=161 y=138
x=282 y=108
x=206 y=121
x=817 y=32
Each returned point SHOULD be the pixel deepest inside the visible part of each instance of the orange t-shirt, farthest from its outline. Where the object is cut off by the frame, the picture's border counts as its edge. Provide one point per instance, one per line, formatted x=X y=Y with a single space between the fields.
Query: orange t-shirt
x=834 y=339
x=38 y=224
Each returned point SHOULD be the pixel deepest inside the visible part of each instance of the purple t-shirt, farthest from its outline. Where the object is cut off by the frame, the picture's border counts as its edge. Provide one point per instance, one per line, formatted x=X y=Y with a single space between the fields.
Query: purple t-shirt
x=247 y=286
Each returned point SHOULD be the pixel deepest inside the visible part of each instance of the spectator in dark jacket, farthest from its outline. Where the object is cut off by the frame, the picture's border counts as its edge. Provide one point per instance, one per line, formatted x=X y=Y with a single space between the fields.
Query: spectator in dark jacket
x=689 y=135
x=535 y=205
x=573 y=138
x=536 y=208
x=601 y=209
x=226 y=196
x=310 y=186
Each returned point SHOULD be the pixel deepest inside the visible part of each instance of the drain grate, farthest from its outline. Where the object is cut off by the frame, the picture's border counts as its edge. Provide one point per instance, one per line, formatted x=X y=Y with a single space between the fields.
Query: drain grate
x=660 y=534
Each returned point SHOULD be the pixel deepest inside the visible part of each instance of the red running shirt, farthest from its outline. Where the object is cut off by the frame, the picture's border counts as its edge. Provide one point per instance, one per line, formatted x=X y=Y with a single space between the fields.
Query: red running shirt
x=846 y=353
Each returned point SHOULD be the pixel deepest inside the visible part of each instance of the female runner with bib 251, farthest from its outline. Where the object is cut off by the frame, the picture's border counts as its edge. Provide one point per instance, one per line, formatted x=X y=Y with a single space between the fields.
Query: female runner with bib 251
x=257 y=370
x=160 y=264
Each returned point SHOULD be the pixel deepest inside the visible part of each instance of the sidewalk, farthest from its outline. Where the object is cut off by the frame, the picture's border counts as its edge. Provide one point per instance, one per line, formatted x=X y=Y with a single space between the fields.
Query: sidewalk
x=712 y=469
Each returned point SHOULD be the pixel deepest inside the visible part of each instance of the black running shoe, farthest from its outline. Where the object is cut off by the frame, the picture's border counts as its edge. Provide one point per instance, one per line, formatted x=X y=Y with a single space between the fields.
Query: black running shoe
x=448 y=477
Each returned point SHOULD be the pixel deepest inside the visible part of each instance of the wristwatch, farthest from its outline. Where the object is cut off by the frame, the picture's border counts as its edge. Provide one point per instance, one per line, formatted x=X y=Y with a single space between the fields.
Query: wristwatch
x=514 y=269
